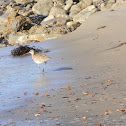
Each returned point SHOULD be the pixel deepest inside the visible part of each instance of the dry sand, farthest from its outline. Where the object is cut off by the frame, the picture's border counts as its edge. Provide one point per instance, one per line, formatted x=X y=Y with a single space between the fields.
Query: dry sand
x=88 y=60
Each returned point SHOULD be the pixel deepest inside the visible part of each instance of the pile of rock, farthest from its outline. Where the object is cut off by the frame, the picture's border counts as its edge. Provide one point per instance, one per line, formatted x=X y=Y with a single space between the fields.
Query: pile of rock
x=24 y=21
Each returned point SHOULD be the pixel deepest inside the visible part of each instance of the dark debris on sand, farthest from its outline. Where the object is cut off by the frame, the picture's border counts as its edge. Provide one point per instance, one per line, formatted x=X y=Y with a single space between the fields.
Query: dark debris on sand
x=21 y=50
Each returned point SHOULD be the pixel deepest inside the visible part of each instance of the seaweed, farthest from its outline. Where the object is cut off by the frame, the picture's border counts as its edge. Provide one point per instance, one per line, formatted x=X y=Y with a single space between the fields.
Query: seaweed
x=21 y=50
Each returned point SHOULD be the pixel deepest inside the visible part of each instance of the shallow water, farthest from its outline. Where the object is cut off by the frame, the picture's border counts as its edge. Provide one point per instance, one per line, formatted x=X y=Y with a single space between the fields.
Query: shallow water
x=20 y=81
x=20 y=74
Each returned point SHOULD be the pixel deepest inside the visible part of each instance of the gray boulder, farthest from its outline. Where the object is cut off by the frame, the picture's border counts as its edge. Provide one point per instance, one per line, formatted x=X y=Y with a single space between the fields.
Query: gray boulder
x=55 y=22
x=119 y=3
x=68 y=5
x=1 y=12
x=60 y=3
x=57 y=12
x=100 y=4
x=3 y=19
x=80 y=6
x=2 y=28
x=21 y=38
x=16 y=23
x=84 y=14
x=23 y=2
x=42 y=7
x=110 y=3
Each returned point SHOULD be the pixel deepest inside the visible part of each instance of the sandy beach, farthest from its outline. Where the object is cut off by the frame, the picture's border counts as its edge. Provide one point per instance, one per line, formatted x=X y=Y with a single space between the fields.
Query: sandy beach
x=84 y=84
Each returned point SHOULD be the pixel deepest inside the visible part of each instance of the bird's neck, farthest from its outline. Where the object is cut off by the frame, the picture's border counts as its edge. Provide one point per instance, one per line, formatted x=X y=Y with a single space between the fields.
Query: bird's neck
x=33 y=54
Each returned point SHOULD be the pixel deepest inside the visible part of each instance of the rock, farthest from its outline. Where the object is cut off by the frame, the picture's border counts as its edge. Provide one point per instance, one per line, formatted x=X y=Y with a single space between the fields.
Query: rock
x=103 y=5
x=25 y=13
x=100 y=4
x=60 y=3
x=42 y=7
x=119 y=3
x=48 y=29
x=50 y=17
x=29 y=6
x=17 y=23
x=40 y=29
x=3 y=42
x=84 y=14
x=75 y=9
x=57 y=12
x=20 y=24
x=19 y=10
x=55 y=22
x=1 y=12
x=13 y=4
x=1 y=38
x=68 y=5
x=23 y=2
x=9 y=9
x=2 y=3
x=2 y=45
x=19 y=39
x=39 y=33
x=80 y=6
x=73 y=23
x=2 y=29
x=36 y=0
x=3 y=19
x=109 y=4
x=37 y=19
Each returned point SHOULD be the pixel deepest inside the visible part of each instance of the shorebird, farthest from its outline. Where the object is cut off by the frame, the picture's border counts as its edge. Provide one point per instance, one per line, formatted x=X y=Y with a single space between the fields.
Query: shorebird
x=39 y=58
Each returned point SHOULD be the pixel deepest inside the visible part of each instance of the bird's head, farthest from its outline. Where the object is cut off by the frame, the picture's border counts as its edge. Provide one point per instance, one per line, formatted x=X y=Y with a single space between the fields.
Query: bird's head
x=31 y=51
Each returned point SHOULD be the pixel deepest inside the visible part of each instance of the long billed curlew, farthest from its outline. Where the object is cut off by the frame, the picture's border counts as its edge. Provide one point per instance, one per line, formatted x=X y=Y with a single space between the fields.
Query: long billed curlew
x=39 y=58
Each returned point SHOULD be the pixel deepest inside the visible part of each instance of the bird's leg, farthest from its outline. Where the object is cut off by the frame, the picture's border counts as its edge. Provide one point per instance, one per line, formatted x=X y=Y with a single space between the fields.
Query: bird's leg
x=43 y=70
x=43 y=67
x=39 y=68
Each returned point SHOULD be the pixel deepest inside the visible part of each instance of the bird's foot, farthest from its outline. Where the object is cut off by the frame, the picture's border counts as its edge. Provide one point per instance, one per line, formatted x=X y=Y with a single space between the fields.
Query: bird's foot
x=43 y=70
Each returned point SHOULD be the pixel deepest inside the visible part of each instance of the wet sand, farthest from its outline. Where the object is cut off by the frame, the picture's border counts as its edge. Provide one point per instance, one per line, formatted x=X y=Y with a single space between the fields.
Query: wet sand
x=85 y=60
